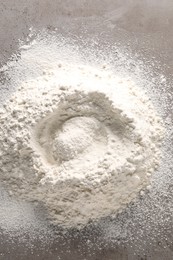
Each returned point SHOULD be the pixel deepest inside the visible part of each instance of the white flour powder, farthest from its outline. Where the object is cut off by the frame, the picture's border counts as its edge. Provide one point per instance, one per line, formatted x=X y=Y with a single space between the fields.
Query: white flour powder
x=77 y=138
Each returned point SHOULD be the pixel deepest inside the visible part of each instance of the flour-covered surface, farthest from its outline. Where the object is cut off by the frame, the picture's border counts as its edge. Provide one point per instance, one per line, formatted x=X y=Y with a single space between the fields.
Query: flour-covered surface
x=135 y=38
x=76 y=135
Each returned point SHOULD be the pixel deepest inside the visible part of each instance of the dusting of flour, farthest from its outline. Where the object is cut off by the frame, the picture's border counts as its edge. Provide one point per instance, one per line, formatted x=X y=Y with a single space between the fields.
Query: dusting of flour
x=78 y=138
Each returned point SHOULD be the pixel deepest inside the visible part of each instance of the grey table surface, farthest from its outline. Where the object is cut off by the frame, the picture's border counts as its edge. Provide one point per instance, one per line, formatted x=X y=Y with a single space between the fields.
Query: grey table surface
x=147 y=27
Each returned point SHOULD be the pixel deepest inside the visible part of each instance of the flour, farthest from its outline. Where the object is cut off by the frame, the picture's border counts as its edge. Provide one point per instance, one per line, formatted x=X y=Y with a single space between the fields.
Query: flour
x=79 y=139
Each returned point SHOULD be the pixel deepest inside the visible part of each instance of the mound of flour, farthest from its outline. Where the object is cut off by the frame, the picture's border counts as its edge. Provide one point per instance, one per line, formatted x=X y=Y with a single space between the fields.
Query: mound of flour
x=78 y=139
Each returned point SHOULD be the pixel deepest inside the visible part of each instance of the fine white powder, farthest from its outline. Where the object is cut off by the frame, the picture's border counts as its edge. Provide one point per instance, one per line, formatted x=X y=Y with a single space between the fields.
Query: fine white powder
x=77 y=138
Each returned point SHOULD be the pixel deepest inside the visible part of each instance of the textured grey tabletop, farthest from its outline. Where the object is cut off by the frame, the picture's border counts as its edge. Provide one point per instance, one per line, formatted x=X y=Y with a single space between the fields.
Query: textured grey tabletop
x=144 y=27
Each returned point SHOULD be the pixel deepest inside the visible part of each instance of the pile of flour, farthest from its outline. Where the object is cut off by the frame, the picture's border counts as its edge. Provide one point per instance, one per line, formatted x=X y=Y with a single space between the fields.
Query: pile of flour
x=77 y=138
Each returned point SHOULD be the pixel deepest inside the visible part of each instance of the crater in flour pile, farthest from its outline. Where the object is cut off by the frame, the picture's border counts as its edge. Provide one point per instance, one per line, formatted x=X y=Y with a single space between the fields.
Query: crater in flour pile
x=84 y=133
